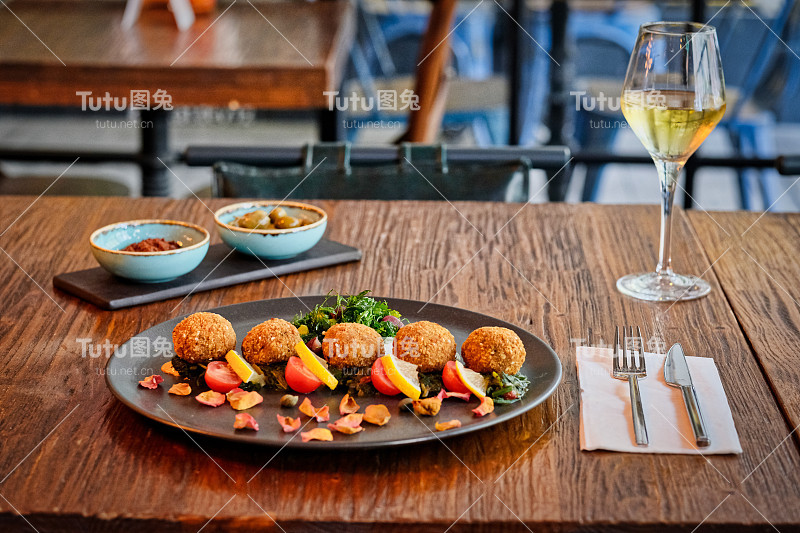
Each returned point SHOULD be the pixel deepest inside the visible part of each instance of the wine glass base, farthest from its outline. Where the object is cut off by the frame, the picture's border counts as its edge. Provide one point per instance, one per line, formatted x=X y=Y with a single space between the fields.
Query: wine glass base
x=662 y=287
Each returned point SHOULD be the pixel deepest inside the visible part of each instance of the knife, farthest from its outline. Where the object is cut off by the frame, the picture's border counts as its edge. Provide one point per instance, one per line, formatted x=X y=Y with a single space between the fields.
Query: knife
x=676 y=373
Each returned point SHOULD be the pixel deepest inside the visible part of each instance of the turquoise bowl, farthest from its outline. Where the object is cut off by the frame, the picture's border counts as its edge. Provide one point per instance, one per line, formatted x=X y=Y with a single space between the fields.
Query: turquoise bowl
x=149 y=267
x=271 y=243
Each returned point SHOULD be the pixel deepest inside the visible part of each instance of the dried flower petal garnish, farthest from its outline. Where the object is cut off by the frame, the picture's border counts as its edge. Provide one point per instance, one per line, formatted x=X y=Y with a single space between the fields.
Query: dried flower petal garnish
x=167 y=368
x=180 y=389
x=352 y=420
x=444 y=426
x=428 y=406
x=316 y=434
x=245 y=421
x=377 y=414
x=307 y=409
x=288 y=423
x=244 y=400
x=322 y=414
x=348 y=424
x=347 y=430
x=233 y=391
x=460 y=395
x=151 y=382
x=348 y=405
x=486 y=407
x=210 y=397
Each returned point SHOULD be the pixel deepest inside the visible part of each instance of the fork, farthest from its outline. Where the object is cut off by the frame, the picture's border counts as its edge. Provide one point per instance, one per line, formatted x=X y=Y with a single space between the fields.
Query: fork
x=631 y=370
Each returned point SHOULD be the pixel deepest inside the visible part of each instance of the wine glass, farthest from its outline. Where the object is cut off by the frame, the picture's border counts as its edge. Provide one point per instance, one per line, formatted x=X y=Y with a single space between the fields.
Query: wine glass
x=673 y=96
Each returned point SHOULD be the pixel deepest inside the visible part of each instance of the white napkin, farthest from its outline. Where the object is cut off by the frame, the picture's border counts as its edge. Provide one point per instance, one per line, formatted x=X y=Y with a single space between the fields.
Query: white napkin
x=606 y=407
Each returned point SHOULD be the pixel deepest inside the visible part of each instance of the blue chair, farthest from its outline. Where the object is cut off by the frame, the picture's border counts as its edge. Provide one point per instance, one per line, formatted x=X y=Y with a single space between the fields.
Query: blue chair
x=749 y=48
x=783 y=105
x=374 y=69
x=602 y=63
x=601 y=42
x=402 y=21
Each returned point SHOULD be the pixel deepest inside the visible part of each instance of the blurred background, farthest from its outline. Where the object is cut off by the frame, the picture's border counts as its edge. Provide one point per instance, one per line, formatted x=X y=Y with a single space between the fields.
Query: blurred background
x=759 y=40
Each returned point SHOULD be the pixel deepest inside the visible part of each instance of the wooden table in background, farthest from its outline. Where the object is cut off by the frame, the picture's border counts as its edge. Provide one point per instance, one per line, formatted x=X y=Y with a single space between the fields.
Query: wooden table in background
x=75 y=458
x=265 y=55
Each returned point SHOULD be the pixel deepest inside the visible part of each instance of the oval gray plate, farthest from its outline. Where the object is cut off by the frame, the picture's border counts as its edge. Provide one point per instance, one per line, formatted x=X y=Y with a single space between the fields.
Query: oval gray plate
x=140 y=357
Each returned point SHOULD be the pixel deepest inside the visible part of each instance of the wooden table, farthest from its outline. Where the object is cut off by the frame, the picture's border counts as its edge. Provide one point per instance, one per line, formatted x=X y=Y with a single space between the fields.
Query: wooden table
x=757 y=263
x=74 y=458
x=266 y=55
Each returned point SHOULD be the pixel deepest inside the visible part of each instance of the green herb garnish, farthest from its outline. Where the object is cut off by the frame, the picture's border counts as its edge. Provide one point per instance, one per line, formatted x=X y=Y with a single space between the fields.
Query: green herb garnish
x=430 y=383
x=352 y=379
x=274 y=377
x=250 y=386
x=358 y=308
x=505 y=389
x=186 y=369
x=192 y=372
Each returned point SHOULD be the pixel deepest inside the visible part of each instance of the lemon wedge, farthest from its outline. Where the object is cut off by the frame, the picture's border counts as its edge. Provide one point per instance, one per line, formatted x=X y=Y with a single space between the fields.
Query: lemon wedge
x=403 y=375
x=471 y=380
x=243 y=369
x=316 y=365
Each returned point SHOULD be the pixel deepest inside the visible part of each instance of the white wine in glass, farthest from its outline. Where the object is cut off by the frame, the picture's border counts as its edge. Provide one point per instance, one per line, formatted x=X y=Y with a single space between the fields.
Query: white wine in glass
x=673 y=97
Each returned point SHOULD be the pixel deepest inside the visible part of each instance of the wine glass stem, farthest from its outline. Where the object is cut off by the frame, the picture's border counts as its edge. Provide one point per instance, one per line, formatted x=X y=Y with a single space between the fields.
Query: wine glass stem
x=668 y=172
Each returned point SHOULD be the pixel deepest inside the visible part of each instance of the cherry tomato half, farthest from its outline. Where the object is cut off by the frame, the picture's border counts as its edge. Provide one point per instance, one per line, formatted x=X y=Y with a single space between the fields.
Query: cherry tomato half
x=300 y=378
x=220 y=377
x=451 y=380
x=381 y=380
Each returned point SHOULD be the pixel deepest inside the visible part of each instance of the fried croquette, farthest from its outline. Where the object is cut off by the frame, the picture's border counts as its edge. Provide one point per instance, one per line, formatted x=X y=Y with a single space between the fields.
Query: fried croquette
x=351 y=344
x=203 y=337
x=493 y=349
x=270 y=342
x=425 y=344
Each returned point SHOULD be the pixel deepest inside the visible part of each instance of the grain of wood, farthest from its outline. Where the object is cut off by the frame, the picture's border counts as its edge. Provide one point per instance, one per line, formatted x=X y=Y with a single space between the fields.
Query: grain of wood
x=107 y=468
x=758 y=269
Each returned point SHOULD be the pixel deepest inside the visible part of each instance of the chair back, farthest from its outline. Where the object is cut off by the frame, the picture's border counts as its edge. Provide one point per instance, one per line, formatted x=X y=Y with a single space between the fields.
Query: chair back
x=407 y=172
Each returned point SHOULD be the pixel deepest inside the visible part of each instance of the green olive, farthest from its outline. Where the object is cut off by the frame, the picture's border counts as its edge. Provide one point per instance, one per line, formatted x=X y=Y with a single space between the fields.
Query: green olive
x=277 y=213
x=288 y=222
x=257 y=219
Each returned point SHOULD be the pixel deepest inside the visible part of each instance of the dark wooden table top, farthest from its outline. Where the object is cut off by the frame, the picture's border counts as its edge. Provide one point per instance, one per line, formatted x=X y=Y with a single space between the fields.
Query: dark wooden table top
x=757 y=264
x=263 y=54
x=73 y=458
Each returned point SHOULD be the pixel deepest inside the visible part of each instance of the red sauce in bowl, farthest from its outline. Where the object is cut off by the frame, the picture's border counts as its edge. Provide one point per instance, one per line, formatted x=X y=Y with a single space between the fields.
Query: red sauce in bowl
x=152 y=245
